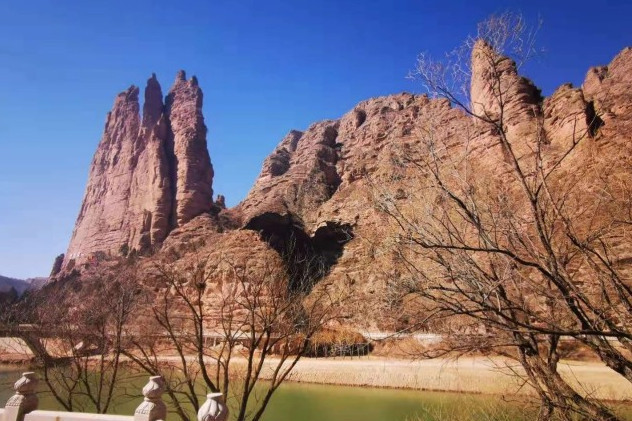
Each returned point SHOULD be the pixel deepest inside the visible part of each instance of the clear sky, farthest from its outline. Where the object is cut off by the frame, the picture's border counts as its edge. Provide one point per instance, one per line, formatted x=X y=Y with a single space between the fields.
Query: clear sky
x=266 y=66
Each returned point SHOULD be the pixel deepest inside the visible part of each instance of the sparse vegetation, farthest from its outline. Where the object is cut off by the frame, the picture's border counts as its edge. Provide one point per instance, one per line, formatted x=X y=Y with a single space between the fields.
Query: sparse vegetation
x=523 y=252
x=77 y=332
x=230 y=325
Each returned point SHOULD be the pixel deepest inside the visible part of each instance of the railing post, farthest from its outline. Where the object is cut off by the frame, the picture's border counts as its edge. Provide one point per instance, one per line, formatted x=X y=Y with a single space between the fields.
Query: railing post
x=213 y=409
x=25 y=400
x=152 y=408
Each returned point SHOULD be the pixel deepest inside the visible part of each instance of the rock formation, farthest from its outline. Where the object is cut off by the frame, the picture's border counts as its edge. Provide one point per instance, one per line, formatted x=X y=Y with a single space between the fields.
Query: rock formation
x=300 y=174
x=150 y=198
x=331 y=175
x=517 y=96
x=150 y=181
x=192 y=173
x=147 y=177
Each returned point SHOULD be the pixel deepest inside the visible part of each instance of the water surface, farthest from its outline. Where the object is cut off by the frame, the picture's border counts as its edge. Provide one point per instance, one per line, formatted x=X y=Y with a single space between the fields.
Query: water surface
x=309 y=402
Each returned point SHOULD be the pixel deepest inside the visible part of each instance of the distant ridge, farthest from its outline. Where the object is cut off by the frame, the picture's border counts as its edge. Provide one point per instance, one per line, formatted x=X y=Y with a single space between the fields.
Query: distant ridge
x=20 y=285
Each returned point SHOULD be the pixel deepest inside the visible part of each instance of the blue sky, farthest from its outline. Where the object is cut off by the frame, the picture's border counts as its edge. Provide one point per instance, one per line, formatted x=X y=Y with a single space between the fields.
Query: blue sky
x=265 y=67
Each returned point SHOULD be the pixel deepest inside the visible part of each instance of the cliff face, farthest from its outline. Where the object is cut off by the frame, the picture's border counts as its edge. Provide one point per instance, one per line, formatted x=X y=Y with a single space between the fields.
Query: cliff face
x=150 y=199
x=147 y=177
x=150 y=181
x=332 y=175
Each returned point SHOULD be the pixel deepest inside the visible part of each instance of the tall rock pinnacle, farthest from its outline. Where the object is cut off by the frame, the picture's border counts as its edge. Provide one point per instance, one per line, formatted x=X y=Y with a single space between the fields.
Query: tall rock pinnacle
x=146 y=177
x=193 y=172
x=150 y=199
x=497 y=84
x=104 y=208
x=153 y=107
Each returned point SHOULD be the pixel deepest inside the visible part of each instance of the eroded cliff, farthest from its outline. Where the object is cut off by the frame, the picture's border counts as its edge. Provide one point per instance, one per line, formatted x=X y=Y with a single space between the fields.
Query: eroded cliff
x=147 y=176
x=317 y=195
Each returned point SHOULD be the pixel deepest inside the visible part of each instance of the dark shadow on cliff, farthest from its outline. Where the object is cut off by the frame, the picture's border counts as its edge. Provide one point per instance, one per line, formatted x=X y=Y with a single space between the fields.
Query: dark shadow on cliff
x=308 y=258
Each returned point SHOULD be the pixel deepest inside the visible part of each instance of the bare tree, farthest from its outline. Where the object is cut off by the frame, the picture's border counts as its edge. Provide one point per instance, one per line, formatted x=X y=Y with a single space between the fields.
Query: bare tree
x=78 y=331
x=529 y=250
x=235 y=327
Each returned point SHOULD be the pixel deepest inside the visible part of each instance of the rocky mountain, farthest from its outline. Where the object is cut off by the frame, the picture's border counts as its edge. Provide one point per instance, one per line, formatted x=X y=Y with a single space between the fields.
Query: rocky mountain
x=148 y=176
x=150 y=182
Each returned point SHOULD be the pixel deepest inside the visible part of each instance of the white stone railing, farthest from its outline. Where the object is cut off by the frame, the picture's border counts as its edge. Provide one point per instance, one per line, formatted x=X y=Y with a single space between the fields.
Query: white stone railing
x=23 y=405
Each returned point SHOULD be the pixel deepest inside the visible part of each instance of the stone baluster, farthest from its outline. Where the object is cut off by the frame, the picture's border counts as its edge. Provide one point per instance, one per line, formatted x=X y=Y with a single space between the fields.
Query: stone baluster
x=152 y=408
x=25 y=400
x=214 y=409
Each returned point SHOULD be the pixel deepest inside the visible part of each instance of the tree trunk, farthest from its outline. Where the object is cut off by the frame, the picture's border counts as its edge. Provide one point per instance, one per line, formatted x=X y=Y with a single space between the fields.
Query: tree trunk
x=559 y=393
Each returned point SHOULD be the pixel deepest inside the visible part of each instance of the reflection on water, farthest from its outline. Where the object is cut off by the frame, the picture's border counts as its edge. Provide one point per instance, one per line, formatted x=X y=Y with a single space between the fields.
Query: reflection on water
x=308 y=402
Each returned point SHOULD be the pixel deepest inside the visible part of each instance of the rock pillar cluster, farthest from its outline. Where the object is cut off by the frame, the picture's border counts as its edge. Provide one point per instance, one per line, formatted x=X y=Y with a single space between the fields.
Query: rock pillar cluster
x=149 y=175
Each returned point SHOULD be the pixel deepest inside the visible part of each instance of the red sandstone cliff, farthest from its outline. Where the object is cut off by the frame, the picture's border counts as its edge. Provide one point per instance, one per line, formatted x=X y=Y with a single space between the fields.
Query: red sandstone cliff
x=327 y=178
x=191 y=167
x=147 y=177
x=150 y=181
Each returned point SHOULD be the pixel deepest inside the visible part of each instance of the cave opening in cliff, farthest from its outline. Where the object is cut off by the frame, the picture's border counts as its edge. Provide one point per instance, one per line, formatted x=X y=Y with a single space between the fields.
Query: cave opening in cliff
x=593 y=121
x=307 y=258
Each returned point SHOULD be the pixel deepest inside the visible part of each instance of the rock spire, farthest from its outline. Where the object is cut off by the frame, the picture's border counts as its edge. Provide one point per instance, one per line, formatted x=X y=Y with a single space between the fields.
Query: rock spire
x=147 y=176
x=192 y=170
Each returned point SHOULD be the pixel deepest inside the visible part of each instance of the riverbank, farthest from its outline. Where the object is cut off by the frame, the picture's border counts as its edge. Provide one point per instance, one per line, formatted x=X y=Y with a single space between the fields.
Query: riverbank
x=467 y=375
x=486 y=375
x=477 y=375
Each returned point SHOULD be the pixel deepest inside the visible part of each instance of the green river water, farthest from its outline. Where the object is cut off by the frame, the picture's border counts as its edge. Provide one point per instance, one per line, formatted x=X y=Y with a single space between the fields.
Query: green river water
x=309 y=402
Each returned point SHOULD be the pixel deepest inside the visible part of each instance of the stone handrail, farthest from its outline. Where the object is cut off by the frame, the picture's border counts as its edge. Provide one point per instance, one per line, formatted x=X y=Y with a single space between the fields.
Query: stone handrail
x=23 y=405
x=24 y=401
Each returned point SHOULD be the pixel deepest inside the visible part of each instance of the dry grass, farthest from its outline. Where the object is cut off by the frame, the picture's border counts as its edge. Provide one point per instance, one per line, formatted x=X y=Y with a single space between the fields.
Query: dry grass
x=468 y=375
x=406 y=347
x=14 y=351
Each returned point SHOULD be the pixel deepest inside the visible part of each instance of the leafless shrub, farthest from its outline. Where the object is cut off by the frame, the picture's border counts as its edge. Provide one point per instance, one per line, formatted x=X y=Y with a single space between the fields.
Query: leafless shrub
x=236 y=327
x=528 y=257
x=77 y=332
